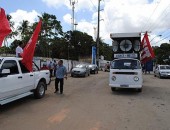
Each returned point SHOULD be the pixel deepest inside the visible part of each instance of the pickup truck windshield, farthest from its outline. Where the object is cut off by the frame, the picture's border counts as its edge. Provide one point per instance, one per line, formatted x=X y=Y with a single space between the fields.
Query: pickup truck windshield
x=125 y=64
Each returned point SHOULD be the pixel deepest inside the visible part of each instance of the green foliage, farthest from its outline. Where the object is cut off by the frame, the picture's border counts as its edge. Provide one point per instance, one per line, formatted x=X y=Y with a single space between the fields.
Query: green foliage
x=105 y=50
x=55 y=43
x=162 y=53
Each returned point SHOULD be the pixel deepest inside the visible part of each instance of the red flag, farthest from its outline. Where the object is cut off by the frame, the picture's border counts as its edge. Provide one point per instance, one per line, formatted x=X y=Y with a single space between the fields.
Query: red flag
x=4 y=26
x=29 y=49
x=147 y=51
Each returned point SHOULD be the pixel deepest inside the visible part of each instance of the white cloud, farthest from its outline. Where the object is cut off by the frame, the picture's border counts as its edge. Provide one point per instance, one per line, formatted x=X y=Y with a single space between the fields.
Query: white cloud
x=21 y=15
x=133 y=16
x=67 y=18
x=85 y=26
x=120 y=16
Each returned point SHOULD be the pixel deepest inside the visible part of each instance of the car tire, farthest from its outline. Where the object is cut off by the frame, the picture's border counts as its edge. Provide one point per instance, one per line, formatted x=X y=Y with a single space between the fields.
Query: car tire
x=40 y=90
x=160 y=76
x=113 y=89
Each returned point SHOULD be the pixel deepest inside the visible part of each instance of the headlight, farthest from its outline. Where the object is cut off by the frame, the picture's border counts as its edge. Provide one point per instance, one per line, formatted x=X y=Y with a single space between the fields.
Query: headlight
x=136 y=78
x=113 y=78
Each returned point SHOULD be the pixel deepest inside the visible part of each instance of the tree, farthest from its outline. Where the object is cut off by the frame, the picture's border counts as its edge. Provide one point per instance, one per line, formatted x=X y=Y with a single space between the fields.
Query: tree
x=105 y=50
x=162 y=53
x=25 y=31
x=51 y=29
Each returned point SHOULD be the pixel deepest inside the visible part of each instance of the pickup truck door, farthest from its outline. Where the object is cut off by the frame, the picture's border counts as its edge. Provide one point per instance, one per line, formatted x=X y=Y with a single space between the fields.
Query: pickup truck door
x=27 y=77
x=10 y=83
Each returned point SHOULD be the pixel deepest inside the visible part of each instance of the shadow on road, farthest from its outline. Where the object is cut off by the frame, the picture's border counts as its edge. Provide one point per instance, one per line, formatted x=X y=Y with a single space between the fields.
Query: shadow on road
x=15 y=104
x=126 y=92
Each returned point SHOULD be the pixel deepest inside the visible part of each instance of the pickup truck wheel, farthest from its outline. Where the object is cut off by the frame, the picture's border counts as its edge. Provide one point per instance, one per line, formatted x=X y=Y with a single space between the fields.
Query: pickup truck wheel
x=40 y=90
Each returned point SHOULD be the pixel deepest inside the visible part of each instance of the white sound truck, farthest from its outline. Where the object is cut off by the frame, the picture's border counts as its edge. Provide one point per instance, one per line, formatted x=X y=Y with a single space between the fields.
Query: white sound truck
x=125 y=69
x=17 y=82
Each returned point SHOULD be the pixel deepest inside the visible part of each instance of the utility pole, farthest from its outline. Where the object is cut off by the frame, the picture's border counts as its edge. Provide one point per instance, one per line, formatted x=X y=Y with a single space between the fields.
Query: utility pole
x=98 y=36
x=72 y=3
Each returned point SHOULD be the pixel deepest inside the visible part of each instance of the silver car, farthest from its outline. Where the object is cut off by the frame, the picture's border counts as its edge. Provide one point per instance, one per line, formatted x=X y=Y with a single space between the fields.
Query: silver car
x=162 y=71
x=80 y=70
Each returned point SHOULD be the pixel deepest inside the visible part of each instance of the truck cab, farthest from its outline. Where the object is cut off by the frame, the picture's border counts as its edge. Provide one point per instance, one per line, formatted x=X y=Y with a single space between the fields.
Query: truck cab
x=126 y=73
x=17 y=82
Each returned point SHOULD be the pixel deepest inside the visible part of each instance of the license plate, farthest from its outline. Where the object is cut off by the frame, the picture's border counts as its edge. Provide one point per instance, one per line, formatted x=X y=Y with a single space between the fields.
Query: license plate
x=124 y=85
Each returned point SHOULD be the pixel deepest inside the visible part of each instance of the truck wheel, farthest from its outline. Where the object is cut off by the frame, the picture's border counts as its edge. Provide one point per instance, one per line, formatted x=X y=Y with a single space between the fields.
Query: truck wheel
x=40 y=90
x=113 y=88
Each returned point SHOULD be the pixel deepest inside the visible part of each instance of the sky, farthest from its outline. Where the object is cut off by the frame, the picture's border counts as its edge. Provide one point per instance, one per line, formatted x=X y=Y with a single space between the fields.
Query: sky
x=116 y=16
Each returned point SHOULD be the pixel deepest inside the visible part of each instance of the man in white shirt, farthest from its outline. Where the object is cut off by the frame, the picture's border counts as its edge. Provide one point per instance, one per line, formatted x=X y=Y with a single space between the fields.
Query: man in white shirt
x=19 y=49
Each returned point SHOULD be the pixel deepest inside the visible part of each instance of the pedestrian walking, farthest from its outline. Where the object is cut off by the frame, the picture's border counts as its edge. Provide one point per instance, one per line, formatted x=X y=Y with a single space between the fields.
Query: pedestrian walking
x=61 y=73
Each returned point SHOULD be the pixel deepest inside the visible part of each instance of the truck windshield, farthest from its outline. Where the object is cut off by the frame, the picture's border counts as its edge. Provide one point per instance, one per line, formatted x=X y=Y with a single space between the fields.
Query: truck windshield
x=125 y=64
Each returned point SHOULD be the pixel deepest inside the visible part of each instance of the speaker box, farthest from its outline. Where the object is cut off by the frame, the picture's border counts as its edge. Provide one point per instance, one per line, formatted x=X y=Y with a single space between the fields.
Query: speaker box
x=126 y=45
x=115 y=46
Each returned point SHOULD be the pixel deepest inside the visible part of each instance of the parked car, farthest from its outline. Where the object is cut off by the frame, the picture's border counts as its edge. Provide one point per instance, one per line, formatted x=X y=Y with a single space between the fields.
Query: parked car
x=80 y=70
x=93 y=69
x=162 y=71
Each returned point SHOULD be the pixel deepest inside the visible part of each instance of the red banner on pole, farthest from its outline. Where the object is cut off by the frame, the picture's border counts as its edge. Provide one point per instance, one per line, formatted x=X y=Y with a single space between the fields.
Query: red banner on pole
x=147 y=51
x=4 y=26
x=29 y=49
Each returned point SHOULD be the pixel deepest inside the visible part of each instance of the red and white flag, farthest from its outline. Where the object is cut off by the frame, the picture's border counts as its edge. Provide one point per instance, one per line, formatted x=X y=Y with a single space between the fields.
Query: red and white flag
x=29 y=49
x=4 y=26
x=147 y=51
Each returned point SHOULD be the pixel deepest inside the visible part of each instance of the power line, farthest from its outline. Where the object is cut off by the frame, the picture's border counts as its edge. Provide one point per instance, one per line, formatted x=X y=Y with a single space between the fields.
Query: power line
x=93 y=5
x=151 y=15
x=163 y=38
x=160 y=17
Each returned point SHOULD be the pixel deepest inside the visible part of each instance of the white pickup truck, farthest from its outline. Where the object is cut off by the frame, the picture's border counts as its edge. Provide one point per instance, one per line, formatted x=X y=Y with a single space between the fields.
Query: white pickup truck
x=17 y=82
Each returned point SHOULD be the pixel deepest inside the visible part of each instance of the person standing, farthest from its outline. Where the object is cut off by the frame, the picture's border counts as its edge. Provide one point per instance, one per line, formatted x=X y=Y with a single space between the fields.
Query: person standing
x=51 y=67
x=19 y=49
x=55 y=67
x=60 y=73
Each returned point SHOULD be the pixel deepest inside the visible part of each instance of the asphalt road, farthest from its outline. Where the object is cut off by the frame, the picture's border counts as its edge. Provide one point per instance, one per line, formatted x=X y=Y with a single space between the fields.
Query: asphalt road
x=89 y=104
